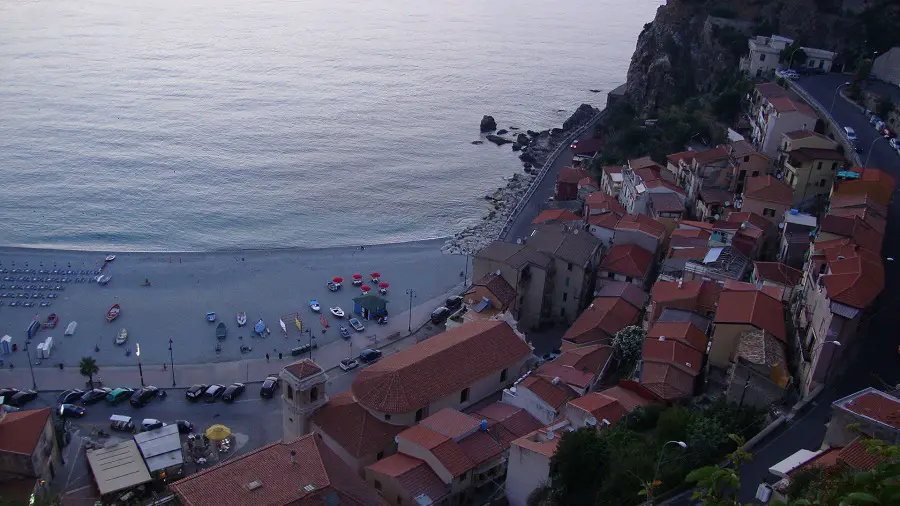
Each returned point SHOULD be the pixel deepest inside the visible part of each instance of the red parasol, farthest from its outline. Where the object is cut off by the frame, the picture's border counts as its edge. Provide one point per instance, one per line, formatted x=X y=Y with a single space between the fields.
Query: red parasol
x=357 y=276
x=365 y=288
x=338 y=279
x=383 y=285
x=376 y=275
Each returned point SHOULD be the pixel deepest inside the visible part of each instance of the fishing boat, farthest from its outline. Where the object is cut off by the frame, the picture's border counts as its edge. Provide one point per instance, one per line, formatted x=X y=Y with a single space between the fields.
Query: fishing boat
x=122 y=337
x=110 y=258
x=298 y=323
x=324 y=322
x=70 y=330
x=283 y=327
x=242 y=319
x=260 y=327
x=337 y=311
x=103 y=279
x=211 y=316
x=113 y=312
x=51 y=321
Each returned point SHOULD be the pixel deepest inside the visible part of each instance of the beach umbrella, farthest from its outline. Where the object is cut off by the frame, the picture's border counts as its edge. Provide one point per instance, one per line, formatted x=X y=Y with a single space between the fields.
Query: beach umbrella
x=376 y=275
x=365 y=288
x=383 y=284
x=337 y=279
x=218 y=432
x=357 y=276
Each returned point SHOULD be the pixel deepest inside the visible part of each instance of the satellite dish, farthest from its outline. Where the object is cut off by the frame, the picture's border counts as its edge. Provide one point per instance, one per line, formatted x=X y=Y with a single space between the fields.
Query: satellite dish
x=497 y=272
x=716 y=217
x=397 y=439
x=518 y=240
x=591 y=421
x=781 y=225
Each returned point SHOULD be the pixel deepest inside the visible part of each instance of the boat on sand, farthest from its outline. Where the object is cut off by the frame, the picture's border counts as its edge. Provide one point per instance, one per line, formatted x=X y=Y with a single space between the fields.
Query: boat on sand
x=113 y=312
x=241 y=319
x=122 y=337
x=221 y=331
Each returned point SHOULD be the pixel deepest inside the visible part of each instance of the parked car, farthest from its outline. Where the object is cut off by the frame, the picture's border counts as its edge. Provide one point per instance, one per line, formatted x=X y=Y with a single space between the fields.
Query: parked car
x=121 y=422
x=184 y=426
x=850 y=133
x=195 y=392
x=143 y=396
x=70 y=411
x=151 y=424
x=349 y=363
x=356 y=324
x=894 y=143
x=873 y=119
x=7 y=393
x=879 y=125
x=454 y=302
x=213 y=392
x=232 y=392
x=22 y=398
x=440 y=315
x=369 y=355
x=95 y=395
x=887 y=133
x=69 y=396
x=118 y=395
x=269 y=386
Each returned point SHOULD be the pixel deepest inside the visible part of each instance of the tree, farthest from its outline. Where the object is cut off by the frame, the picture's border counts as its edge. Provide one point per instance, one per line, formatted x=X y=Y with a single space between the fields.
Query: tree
x=579 y=465
x=884 y=107
x=792 y=53
x=88 y=367
x=628 y=343
x=718 y=486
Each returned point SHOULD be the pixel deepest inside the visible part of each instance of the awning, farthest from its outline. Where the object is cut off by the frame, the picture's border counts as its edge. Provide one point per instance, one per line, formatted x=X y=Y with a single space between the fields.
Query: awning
x=161 y=447
x=783 y=468
x=118 y=467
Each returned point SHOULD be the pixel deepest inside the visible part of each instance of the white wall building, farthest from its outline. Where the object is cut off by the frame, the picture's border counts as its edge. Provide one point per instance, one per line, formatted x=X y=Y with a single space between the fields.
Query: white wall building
x=764 y=60
x=886 y=67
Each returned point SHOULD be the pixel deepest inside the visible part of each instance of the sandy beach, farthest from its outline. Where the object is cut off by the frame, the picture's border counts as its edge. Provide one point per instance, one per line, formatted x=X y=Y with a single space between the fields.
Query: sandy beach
x=265 y=284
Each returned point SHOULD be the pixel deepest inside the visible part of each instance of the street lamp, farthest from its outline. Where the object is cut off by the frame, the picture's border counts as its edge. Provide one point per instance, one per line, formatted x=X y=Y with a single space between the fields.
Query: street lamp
x=172 y=360
x=411 y=293
x=30 y=366
x=830 y=359
x=877 y=138
x=137 y=352
x=836 y=90
x=662 y=451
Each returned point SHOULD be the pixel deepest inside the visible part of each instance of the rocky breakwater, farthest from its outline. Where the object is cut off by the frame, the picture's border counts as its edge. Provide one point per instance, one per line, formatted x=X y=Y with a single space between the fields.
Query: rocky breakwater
x=536 y=147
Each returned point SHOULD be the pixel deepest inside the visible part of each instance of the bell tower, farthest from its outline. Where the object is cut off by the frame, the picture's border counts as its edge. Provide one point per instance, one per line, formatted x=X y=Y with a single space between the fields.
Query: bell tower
x=302 y=393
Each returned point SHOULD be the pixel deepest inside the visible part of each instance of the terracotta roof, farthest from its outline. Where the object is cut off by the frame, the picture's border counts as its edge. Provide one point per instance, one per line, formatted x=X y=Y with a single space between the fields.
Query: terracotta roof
x=556 y=215
x=750 y=218
x=694 y=224
x=452 y=457
x=803 y=134
x=641 y=163
x=776 y=292
x=867 y=214
x=771 y=90
x=496 y=412
x=591 y=358
x=628 y=259
x=768 y=189
x=352 y=426
x=498 y=286
x=554 y=395
x=689 y=252
x=666 y=381
x=877 y=407
x=692 y=233
x=567 y=244
x=666 y=203
x=20 y=431
x=600 y=200
x=303 y=368
x=572 y=175
x=666 y=291
x=682 y=155
x=537 y=442
x=450 y=423
x=752 y=308
x=785 y=105
x=661 y=183
x=431 y=370
x=684 y=332
x=480 y=447
x=876 y=176
x=840 y=200
x=812 y=154
x=777 y=272
x=641 y=223
x=514 y=255
x=601 y=320
x=855 y=281
x=604 y=220
x=601 y=407
x=414 y=475
x=632 y=293
x=857 y=456
x=716 y=196
x=587 y=182
x=710 y=155
x=507 y=422
x=574 y=377
x=280 y=482
x=394 y=465
x=675 y=352
x=675 y=315
x=628 y=398
x=423 y=436
x=709 y=294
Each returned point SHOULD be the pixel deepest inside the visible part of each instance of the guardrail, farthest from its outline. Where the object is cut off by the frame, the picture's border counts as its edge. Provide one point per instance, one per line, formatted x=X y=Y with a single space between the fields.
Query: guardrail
x=551 y=159
x=841 y=137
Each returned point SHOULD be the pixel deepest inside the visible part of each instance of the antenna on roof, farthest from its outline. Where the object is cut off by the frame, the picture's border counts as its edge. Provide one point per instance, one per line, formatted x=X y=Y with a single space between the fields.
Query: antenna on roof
x=497 y=272
x=662 y=338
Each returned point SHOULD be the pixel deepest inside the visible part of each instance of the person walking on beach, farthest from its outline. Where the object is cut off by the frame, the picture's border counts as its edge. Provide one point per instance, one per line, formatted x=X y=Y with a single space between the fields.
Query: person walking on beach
x=267 y=357
x=279 y=358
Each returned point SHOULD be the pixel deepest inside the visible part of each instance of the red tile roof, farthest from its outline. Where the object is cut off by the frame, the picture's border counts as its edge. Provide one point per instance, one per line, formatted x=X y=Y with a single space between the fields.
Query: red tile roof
x=572 y=175
x=587 y=182
x=752 y=308
x=855 y=281
x=413 y=378
x=667 y=291
x=303 y=368
x=771 y=90
x=627 y=397
x=694 y=224
x=480 y=447
x=600 y=406
x=785 y=105
x=674 y=352
x=768 y=189
x=666 y=203
x=450 y=423
x=751 y=218
x=711 y=155
x=394 y=465
x=574 y=377
x=684 y=332
x=666 y=381
x=498 y=286
x=604 y=220
x=877 y=407
x=452 y=457
x=556 y=215
x=20 y=431
x=686 y=156
x=692 y=233
x=415 y=476
x=600 y=200
x=424 y=437
x=554 y=395
x=629 y=260
x=507 y=422
x=352 y=426
x=601 y=320
x=857 y=456
x=776 y=292
x=591 y=358
x=641 y=163
x=633 y=294
x=641 y=223
x=280 y=482
x=777 y=272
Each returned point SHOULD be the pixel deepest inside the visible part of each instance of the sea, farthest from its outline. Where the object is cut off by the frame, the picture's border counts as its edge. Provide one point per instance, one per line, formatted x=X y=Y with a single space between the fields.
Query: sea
x=193 y=125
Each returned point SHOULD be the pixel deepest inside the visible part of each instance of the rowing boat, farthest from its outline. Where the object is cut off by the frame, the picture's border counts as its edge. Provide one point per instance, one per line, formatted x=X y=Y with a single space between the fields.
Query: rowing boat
x=113 y=312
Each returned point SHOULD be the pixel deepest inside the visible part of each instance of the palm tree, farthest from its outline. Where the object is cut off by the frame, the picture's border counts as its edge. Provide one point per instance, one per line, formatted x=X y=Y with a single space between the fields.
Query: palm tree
x=88 y=367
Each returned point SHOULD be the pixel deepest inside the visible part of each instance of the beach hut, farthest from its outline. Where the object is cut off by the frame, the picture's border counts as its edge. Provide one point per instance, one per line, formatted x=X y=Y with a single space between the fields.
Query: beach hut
x=6 y=345
x=370 y=306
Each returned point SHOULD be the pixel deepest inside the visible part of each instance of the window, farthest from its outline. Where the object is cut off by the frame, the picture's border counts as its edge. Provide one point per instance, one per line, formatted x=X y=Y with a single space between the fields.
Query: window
x=834 y=166
x=503 y=375
x=762 y=57
x=387 y=416
x=755 y=173
x=822 y=183
x=821 y=63
x=819 y=166
x=464 y=395
x=768 y=212
x=569 y=267
x=377 y=485
x=747 y=158
x=742 y=175
x=399 y=500
x=610 y=275
x=379 y=455
x=419 y=415
x=313 y=394
x=562 y=312
x=629 y=279
x=290 y=392
x=567 y=281
x=565 y=297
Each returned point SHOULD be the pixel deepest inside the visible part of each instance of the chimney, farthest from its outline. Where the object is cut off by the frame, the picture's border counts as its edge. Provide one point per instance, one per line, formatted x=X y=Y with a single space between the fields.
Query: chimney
x=293 y=456
x=680 y=282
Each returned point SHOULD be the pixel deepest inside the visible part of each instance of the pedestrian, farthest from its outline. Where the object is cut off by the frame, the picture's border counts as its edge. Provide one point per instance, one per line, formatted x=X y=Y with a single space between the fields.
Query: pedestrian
x=267 y=357
x=164 y=366
x=279 y=358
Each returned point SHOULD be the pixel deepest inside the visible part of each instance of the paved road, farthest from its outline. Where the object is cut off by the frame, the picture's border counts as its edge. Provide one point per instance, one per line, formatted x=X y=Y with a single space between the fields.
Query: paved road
x=876 y=362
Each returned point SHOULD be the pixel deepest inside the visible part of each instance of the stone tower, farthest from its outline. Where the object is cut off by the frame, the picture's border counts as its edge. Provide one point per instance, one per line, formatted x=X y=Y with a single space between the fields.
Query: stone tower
x=302 y=393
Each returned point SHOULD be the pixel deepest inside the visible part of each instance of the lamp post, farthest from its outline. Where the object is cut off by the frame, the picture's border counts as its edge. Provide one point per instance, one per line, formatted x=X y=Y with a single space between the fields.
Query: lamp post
x=172 y=360
x=877 y=138
x=662 y=452
x=30 y=366
x=411 y=293
x=830 y=359
x=137 y=352
x=836 y=90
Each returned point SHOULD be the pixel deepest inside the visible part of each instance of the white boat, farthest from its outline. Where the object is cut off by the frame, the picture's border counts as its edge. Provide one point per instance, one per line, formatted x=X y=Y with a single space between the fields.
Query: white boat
x=283 y=326
x=122 y=337
x=103 y=279
x=337 y=311
x=241 y=319
x=70 y=329
x=110 y=258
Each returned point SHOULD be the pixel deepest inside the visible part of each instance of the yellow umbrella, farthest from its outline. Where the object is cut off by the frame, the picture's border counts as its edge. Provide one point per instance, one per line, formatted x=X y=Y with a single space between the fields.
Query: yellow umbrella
x=218 y=432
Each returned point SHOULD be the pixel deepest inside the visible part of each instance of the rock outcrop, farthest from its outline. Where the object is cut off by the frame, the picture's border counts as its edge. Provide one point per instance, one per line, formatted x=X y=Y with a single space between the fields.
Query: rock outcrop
x=488 y=124
x=496 y=139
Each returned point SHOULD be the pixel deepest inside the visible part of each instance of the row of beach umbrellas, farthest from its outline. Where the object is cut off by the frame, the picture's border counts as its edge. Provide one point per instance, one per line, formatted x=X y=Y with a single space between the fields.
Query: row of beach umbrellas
x=365 y=288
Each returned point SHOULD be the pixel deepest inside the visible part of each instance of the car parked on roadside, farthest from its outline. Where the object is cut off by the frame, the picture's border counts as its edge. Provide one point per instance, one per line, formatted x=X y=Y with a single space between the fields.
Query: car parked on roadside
x=95 y=395
x=22 y=398
x=69 y=396
x=195 y=392
x=213 y=392
x=440 y=315
x=232 y=392
x=70 y=411
x=7 y=393
x=143 y=396
x=184 y=426
x=453 y=302
x=874 y=119
x=269 y=386
x=151 y=424
x=369 y=355
x=118 y=395
x=349 y=363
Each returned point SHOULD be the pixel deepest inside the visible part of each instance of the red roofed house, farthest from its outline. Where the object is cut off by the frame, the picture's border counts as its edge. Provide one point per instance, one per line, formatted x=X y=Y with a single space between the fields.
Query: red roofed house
x=454 y=369
x=641 y=177
x=775 y=117
x=670 y=367
x=872 y=411
x=611 y=179
x=746 y=162
x=579 y=368
x=545 y=399
x=627 y=262
x=601 y=202
x=810 y=161
x=556 y=215
x=567 y=182
x=641 y=230
x=600 y=322
x=767 y=197
x=586 y=186
x=708 y=169
x=697 y=296
x=842 y=281
x=875 y=183
x=300 y=472
x=740 y=311
x=29 y=456
x=778 y=275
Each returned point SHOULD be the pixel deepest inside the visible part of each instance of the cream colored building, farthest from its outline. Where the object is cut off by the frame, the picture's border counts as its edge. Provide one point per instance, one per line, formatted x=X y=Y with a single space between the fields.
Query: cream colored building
x=764 y=57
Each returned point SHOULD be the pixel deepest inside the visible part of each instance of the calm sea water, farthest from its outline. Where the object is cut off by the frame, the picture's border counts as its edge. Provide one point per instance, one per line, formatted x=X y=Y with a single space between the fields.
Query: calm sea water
x=211 y=124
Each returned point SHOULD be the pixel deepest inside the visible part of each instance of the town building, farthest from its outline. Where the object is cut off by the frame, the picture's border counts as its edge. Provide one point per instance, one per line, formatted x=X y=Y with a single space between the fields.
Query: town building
x=599 y=323
x=629 y=263
x=611 y=179
x=740 y=311
x=759 y=375
x=876 y=184
x=302 y=393
x=640 y=230
x=641 y=178
x=529 y=271
x=746 y=162
x=767 y=197
x=567 y=182
x=765 y=57
x=773 y=116
x=29 y=455
x=870 y=411
x=700 y=297
x=793 y=241
x=671 y=365
x=600 y=203
x=810 y=162
x=779 y=275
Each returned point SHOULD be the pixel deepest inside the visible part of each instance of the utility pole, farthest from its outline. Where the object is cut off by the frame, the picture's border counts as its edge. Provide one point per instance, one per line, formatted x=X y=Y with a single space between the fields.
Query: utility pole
x=412 y=294
x=172 y=360
x=30 y=366
x=140 y=369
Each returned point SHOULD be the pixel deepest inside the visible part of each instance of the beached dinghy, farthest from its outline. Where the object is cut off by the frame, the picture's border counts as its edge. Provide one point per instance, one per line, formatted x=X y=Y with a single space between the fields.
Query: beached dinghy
x=260 y=327
x=242 y=319
x=324 y=322
x=113 y=312
x=221 y=330
x=51 y=321
x=122 y=337
x=298 y=322
x=70 y=330
x=283 y=326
